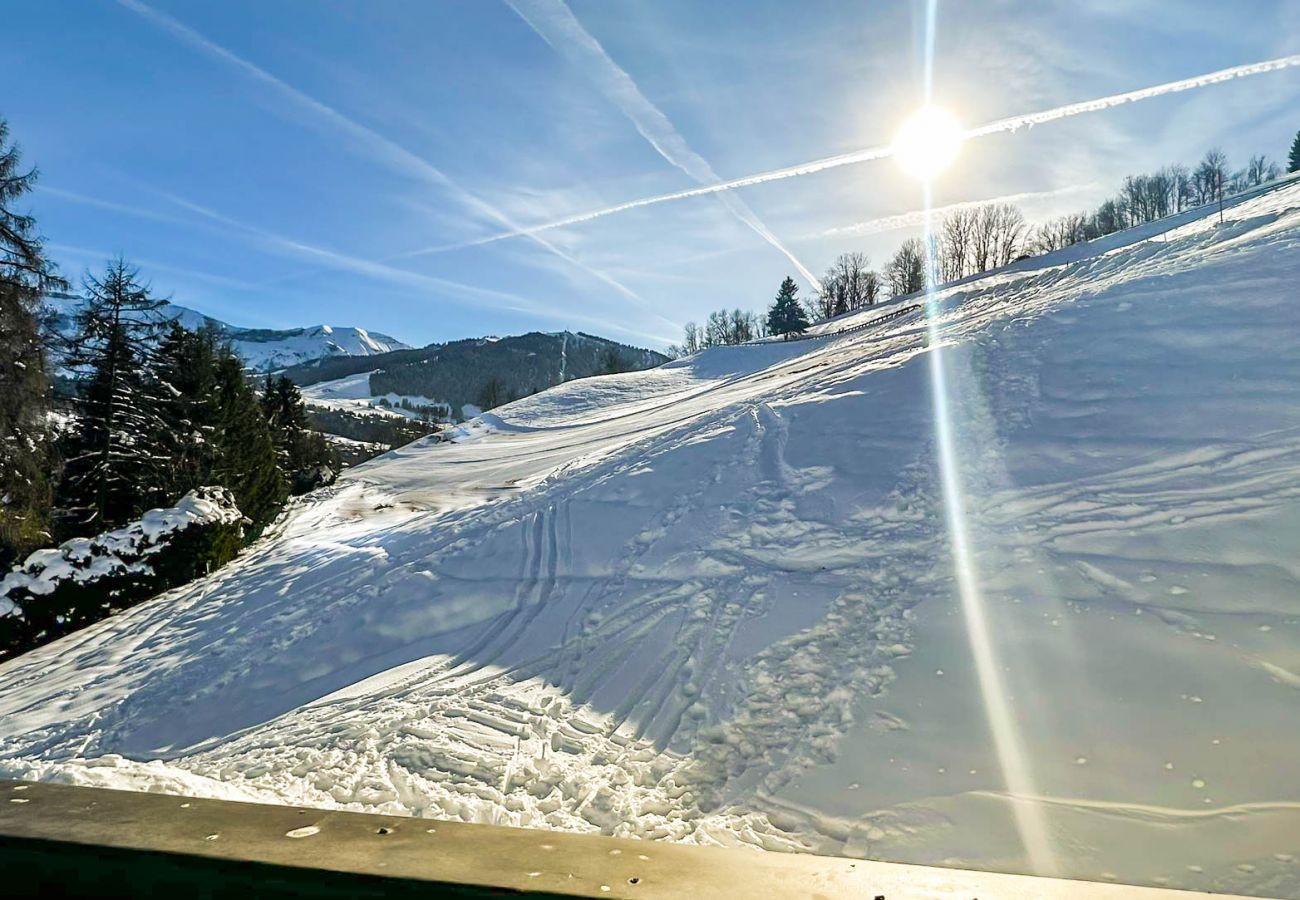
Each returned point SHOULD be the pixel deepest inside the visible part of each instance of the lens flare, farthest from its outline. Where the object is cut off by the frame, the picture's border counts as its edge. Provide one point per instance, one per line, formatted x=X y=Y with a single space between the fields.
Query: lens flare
x=1008 y=743
x=928 y=142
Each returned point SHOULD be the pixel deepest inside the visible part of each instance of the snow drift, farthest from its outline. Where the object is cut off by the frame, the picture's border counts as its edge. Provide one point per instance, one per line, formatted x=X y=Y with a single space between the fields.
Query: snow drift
x=714 y=601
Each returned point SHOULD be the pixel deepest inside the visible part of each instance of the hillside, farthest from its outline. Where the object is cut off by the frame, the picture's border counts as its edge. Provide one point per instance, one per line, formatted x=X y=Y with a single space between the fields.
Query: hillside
x=457 y=379
x=715 y=601
x=262 y=349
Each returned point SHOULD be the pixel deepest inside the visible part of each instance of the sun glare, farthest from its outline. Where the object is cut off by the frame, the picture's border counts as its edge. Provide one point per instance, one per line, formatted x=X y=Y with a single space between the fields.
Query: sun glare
x=928 y=142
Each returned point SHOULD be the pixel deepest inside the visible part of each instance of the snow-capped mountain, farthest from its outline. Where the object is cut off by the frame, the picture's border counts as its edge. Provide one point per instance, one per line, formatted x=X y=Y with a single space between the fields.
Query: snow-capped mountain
x=263 y=349
x=267 y=351
x=716 y=601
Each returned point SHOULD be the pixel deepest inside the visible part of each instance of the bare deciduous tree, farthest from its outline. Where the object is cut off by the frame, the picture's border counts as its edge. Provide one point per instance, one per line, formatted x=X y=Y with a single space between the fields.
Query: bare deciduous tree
x=999 y=228
x=1259 y=170
x=1060 y=233
x=906 y=270
x=1180 y=188
x=848 y=284
x=955 y=245
x=1210 y=177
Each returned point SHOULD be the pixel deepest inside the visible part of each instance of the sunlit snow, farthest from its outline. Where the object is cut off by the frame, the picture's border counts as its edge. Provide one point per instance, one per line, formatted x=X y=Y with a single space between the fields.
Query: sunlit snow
x=714 y=601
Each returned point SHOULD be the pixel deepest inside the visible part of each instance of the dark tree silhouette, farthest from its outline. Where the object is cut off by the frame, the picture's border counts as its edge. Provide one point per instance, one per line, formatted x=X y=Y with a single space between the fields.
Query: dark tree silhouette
x=25 y=274
x=786 y=316
x=117 y=461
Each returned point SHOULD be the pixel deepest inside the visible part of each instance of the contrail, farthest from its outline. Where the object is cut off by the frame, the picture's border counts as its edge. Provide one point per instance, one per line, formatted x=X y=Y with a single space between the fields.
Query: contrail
x=556 y=24
x=918 y=217
x=385 y=150
x=1013 y=123
x=151 y=266
x=344 y=262
x=292 y=247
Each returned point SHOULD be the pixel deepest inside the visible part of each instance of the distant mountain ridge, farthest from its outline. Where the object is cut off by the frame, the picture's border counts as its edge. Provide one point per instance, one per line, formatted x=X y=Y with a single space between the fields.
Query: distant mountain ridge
x=465 y=375
x=481 y=373
x=261 y=349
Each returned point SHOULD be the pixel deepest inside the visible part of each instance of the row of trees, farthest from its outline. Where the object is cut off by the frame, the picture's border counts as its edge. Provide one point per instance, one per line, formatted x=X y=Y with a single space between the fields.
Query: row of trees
x=723 y=328
x=1167 y=191
x=970 y=240
x=154 y=409
x=160 y=410
x=977 y=238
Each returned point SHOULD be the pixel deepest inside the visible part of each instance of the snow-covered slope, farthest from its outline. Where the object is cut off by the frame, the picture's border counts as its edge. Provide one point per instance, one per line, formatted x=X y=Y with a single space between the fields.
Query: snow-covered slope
x=714 y=601
x=351 y=393
x=262 y=349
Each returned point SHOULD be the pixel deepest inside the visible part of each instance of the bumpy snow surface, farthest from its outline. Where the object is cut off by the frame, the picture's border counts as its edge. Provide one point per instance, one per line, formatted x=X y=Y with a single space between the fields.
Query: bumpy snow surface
x=715 y=601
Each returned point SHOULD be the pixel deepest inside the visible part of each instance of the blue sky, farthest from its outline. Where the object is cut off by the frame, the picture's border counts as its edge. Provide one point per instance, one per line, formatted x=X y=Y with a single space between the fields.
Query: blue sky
x=294 y=162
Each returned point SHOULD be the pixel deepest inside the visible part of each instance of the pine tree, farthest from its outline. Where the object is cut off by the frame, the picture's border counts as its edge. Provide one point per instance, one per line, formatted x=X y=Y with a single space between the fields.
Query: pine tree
x=218 y=430
x=245 y=455
x=303 y=455
x=184 y=368
x=25 y=274
x=117 y=464
x=787 y=316
x=612 y=363
x=1293 y=161
x=492 y=395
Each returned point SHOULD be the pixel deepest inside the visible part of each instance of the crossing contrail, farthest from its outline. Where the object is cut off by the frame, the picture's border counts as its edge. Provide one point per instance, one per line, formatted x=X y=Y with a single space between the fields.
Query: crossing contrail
x=1010 y=124
x=556 y=24
x=378 y=147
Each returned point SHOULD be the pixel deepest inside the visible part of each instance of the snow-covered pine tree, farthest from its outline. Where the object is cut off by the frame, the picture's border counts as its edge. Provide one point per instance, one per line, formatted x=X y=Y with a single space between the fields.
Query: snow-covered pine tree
x=1293 y=161
x=25 y=274
x=787 y=316
x=116 y=460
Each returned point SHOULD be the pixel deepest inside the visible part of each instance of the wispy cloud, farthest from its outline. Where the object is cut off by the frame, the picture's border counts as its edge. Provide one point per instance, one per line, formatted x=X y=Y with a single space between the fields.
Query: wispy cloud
x=379 y=147
x=346 y=262
x=1010 y=124
x=110 y=205
x=555 y=23
x=294 y=248
x=916 y=218
x=90 y=256
x=207 y=219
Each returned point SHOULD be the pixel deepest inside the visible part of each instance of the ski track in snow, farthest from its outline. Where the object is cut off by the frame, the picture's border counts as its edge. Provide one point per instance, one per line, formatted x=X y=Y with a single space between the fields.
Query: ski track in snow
x=712 y=602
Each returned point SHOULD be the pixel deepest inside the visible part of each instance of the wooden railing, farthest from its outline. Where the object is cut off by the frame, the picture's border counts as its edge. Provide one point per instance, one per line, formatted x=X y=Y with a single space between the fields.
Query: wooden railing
x=62 y=841
x=861 y=326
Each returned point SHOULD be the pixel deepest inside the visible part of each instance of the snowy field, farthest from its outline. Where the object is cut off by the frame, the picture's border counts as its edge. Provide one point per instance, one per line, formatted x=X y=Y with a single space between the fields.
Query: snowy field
x=351 y=393
x=714 y=601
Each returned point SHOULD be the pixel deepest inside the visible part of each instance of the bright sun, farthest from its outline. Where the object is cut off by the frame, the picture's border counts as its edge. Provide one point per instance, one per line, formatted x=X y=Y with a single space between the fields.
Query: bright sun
x=928 y=142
